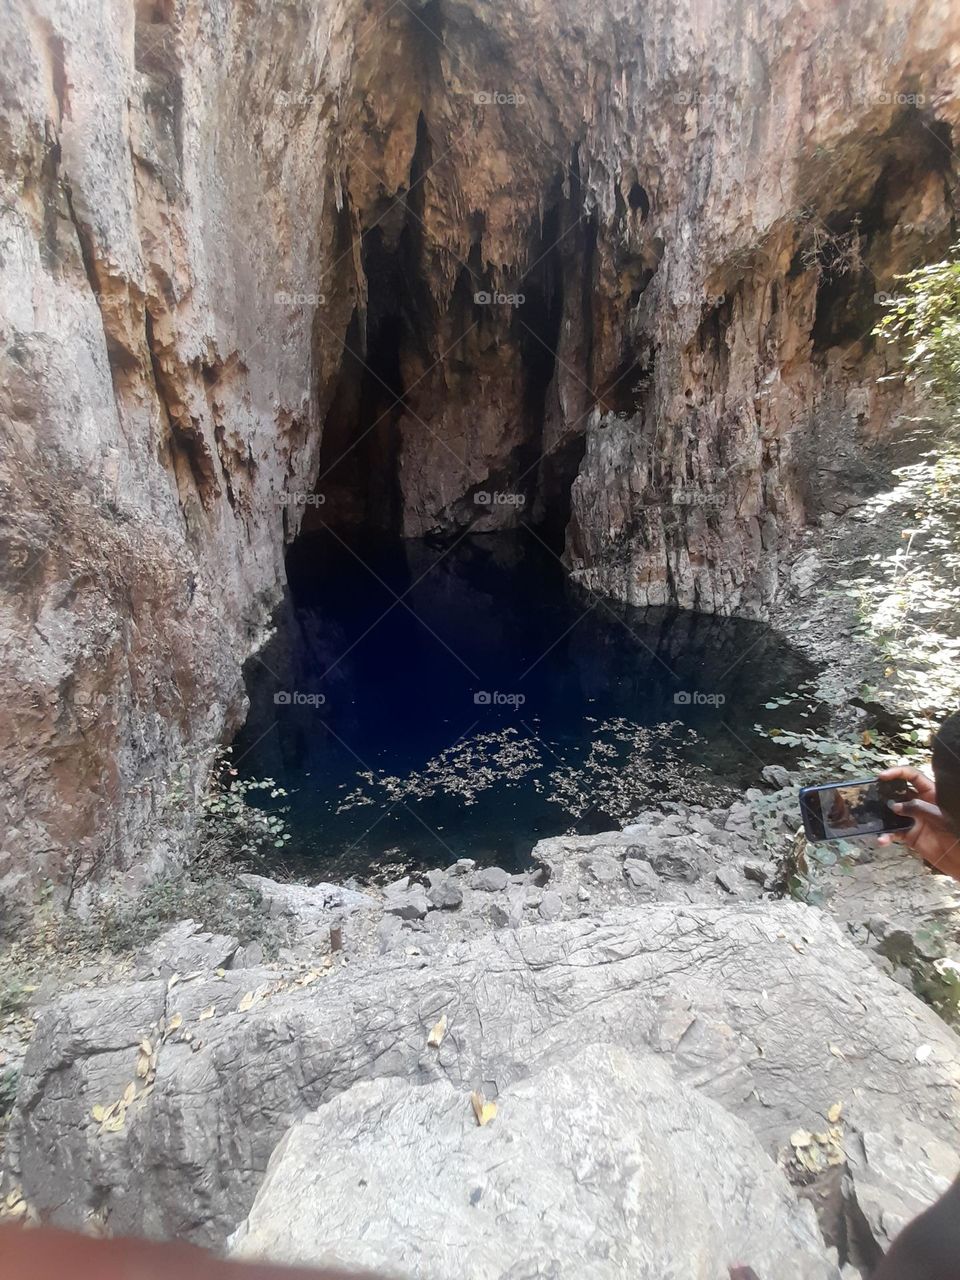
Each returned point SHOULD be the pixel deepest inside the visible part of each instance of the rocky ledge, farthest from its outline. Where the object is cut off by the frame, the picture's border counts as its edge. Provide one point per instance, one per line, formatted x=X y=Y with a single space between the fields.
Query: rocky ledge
x=690 y=1076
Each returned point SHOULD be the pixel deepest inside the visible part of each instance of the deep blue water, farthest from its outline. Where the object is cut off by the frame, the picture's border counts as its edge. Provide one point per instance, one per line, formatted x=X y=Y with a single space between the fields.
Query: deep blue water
x=492 y=705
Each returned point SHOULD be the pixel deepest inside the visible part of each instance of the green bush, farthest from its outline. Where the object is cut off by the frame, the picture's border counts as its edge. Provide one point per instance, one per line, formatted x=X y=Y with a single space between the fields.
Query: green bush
x=232 y=835
x=925 y=318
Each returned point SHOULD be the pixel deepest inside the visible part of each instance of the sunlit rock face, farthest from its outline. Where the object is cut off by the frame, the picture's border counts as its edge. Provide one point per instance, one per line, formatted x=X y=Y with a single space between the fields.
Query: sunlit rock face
x=609 y=270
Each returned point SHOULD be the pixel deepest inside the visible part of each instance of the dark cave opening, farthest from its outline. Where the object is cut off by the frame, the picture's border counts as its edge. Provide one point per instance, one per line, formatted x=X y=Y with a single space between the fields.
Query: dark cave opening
x=639 y=200
x=859 y=248
x=357 y=484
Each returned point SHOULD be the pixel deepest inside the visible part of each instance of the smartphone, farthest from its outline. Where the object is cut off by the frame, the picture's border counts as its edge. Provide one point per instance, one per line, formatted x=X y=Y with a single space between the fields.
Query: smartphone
x=839 y=810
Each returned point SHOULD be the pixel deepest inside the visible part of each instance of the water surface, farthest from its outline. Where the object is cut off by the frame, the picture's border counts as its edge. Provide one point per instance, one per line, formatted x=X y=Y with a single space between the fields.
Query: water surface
x=424 y=703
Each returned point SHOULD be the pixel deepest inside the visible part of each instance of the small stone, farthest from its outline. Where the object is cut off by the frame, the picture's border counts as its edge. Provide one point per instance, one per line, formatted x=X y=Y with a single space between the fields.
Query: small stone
x=248 y=957
x=583 y=895
x=445 y=896
x=410 y=904
x=677 y=860
x=727 y=879
x=642 y=877
x=389 y=931
x=776 y=775
x=551 y=905
x=490 y=879
x=509 y=915
x=756 y=872
x=462 y=867
x=603 y=870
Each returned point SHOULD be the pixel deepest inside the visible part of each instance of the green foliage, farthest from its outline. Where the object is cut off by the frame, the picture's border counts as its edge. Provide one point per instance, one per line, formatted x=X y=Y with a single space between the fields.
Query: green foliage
x=232 y=835
x=844 y=757
x=909 y=597
x=229 y=823
x=202 y=891
x=939 y=984
x=925 y=318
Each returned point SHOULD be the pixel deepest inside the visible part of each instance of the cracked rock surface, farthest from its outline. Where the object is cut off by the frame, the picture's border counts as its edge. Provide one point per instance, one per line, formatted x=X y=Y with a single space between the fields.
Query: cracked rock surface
x=767 y=1010
x=600 y=1165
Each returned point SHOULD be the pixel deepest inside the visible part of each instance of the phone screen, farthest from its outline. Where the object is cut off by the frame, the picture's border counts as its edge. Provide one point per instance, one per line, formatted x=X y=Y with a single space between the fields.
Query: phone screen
x=839 y=810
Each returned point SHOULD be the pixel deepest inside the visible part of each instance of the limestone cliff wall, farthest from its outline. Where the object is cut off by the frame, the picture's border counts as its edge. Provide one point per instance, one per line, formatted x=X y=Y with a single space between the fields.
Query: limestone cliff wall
x=255 y=254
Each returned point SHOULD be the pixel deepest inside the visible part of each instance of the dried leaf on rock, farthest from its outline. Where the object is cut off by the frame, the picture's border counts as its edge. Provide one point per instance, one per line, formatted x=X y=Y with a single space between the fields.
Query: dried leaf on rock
x=483 y=1110
x=207 y=1013
x=437 y=1032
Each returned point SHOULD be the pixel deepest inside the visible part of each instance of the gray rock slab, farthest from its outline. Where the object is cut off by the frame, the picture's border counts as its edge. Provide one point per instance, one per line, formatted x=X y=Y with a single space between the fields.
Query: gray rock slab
x=766 y=1008
x=603 y=1165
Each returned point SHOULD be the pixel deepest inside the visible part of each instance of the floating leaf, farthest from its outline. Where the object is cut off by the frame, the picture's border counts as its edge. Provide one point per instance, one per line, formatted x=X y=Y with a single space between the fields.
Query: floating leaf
x=435 y=1038
x=483 y=1110
x=207 y=1013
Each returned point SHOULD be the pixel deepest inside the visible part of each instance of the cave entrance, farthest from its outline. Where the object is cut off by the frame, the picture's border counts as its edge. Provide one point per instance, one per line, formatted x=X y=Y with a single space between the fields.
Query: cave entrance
x=357 y=486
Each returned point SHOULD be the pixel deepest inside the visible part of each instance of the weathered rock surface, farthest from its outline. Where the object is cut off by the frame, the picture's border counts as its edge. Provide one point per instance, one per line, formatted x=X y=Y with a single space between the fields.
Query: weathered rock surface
x=310 y=906
x=766 y=1009
x=184 y=948
x=210 y=214
x=603 y=1165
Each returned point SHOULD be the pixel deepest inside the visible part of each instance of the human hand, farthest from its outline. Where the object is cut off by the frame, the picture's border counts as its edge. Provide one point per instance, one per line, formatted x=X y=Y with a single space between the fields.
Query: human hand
x=931 y=837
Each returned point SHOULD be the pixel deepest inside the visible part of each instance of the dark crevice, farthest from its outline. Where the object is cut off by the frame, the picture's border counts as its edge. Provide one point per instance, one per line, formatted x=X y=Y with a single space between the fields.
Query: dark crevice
x=639 y=201
x=185 y=439
x=358 y=480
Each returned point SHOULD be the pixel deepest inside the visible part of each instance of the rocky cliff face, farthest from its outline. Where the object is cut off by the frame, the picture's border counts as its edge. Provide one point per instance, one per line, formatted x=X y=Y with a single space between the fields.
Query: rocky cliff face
x=424 y=267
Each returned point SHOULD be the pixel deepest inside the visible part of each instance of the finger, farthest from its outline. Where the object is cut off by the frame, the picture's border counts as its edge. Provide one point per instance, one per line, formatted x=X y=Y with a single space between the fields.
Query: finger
x=923 y=785
x=916 y=809
x=906 y=836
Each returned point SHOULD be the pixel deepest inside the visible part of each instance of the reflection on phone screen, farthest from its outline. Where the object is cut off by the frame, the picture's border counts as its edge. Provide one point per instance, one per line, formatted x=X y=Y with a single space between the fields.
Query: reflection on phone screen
x=852 y=811
x=862 y=809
